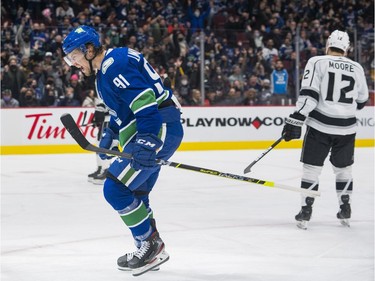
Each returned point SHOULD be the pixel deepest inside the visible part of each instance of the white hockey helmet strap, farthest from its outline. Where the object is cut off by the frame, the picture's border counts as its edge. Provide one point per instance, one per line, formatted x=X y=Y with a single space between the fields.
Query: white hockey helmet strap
x=339 y=39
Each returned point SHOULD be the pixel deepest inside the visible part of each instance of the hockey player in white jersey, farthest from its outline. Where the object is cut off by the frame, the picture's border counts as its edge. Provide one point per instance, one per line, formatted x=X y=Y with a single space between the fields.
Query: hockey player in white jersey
x=333 y=87
x=145 y=122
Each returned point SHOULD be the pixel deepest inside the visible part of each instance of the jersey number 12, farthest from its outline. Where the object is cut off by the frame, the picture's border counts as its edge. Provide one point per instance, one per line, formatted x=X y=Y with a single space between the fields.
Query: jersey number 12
x=343 y=91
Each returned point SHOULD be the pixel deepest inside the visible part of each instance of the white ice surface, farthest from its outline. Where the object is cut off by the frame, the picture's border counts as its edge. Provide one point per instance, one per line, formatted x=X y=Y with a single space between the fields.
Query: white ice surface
x=56 y=226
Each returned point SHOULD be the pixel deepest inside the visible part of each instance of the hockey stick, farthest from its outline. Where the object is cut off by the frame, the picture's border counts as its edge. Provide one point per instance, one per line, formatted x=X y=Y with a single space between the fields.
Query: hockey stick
x=248 y=168
x=77 y=135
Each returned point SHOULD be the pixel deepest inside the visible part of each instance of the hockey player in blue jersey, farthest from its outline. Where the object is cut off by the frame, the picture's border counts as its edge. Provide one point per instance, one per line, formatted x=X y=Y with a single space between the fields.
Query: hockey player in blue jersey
x=145 y=122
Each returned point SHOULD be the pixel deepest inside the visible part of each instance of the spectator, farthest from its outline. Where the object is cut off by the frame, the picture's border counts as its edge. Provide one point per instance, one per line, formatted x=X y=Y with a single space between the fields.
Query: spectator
x=279 y=79
x=40 y=76
x=55 y=45
x=158 y=56
x=7 y=36
x=183 y=88
x=211 y=98
x=25 y=65
x=269 y=52
x=253 y=82
x=7 y=101
x=194 y=76
x=64 y=10
x=98 y=24
x=77 y=87
x=286 y=50
x=50 y=86
x=96 y=9
x=91 y=99
x=48 y=20
x=196 y=98
x=264 y=97
x=112 y=37
x=13 y=78
x=48 y=60
x=28 y=98
x=182 y=47
x=32 y=83
x=198 y=17
x=23 y=38
x=68 y=99
x=232 y=98
x=38 y=37
x=168 y=30
x=304 y=42
x=237 y=75
x=194 y=51
x=50 y=98
x=250 y=97
x=258 y=39
x=65 y=26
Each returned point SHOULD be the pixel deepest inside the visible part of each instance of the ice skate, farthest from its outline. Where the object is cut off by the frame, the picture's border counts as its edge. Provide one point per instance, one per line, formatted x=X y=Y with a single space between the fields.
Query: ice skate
x=304 y=216
x=91 y=176
x=100 y=177
x=122 y=262
x=149 y=256
x=345 y=211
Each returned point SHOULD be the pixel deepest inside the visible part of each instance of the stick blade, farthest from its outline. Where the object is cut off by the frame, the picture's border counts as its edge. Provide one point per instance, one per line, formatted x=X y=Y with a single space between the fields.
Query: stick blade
x=247 y=169
x=74 y=130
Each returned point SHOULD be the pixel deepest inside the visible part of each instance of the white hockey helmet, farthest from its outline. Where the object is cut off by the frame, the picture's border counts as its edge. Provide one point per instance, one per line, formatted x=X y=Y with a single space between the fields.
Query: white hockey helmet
x=338 y=39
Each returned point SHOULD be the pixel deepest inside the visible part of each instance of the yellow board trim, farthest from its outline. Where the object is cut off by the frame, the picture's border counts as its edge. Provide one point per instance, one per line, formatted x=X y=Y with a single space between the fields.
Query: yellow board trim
x=185 y=146
x=41 y=149
x=256 y=145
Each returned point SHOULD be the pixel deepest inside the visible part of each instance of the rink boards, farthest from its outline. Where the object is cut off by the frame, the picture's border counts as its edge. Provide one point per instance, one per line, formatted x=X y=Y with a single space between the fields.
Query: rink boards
x=39 y=130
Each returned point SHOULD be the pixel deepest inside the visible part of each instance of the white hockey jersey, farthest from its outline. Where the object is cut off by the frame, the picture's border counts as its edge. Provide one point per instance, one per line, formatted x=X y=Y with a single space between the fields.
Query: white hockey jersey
x=331 y=89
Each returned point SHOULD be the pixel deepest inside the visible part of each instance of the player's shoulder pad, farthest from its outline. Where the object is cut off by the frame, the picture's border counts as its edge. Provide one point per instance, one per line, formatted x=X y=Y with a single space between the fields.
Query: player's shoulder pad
x=316 y=59
x=356 y=64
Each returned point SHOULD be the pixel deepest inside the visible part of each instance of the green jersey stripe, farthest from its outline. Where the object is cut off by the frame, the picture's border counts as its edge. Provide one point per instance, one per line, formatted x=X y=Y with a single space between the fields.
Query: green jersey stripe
x=146 y=98
x=127 y=133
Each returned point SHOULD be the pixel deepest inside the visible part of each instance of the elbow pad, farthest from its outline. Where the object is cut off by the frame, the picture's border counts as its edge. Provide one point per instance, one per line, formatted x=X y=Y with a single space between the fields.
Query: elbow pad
x=307 y=101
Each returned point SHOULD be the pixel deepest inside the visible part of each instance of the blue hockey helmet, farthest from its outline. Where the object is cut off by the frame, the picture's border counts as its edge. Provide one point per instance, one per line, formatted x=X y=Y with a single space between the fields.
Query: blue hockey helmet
x=79 y=37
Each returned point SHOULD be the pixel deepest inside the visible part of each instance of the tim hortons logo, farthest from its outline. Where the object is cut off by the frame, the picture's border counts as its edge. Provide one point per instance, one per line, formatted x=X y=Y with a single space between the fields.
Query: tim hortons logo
x=40 y=129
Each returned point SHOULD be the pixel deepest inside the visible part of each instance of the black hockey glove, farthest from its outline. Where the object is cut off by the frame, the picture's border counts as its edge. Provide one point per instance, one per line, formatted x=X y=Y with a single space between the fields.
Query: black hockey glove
x=293 y=127
x=98 y=118
x=99 y=115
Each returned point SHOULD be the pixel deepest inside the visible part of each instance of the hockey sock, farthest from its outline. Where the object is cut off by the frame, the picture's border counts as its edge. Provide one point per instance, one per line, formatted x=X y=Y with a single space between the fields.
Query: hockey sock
x=310 y=180
x=344 y=182
x=137 y=219
x=344 y=189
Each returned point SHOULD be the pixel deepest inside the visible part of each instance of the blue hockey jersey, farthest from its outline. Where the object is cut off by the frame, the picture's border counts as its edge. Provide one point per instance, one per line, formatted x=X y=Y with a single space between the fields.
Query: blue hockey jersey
x=132 y=91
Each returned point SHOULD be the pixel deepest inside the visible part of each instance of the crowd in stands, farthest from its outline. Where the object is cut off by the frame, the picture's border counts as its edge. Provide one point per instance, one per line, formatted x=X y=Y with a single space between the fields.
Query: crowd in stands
x=249 y=46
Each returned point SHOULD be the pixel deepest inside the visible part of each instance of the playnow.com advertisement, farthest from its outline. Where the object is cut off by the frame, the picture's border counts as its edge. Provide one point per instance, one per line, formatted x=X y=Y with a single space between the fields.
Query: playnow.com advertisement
x=42 y=126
